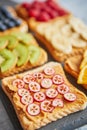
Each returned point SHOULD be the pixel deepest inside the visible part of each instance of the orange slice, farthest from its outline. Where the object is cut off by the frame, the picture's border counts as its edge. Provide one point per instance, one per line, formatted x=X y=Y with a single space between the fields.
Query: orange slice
x=82 y=78
x=83 y=63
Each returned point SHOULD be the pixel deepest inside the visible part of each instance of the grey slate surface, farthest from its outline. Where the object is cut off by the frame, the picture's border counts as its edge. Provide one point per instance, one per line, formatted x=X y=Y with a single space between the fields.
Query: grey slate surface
x=8 y=119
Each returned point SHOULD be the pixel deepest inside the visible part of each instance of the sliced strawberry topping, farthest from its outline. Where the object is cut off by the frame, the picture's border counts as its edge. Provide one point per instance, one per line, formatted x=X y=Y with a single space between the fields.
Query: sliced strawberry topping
x=63 y=88
x=18 y=83
x=33 y=109
x=51 y=93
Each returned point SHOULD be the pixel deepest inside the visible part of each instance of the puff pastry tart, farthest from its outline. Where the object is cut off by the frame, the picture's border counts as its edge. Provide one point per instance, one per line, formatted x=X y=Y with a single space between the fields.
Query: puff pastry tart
x=63 y=34
x=43 y=95
x=9 y=21
x=19 y=51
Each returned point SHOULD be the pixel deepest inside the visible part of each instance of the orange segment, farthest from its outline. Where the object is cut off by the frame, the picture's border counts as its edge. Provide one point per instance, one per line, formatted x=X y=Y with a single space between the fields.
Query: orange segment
x=83 y=63
x=82 y=78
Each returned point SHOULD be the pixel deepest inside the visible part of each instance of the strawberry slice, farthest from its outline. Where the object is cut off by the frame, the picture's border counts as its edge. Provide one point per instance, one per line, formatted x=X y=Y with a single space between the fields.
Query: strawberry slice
x=26 y=99
x=57 y=102
x=22 y=92
x=33 y=109
x=63 y=88
x=18 y=83
x=46 y=106
x=39 y=96
x=51 y=93
x=58 y=79
x=70 y=96
x=27 y=78
x=34 y=86
x=49 y=71
x=46 y=83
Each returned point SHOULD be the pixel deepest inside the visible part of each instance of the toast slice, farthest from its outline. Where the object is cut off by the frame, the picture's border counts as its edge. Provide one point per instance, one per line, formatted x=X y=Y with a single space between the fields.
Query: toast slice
x=11 y=22
x=20 y=52
x=60 y=37
x=72 y=66
x=34 y=112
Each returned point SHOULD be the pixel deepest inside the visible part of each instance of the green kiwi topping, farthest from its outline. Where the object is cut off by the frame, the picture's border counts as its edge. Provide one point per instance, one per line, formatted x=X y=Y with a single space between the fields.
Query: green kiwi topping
x=9 y=60
x=34 y=53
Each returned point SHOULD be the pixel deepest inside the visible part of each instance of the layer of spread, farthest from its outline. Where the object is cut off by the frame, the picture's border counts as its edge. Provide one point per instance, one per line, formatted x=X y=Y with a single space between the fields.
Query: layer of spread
x=40 y=95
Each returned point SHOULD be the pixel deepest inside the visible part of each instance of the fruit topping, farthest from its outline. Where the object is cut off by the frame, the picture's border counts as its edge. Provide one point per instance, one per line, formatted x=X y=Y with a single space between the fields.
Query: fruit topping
x=46 y=106
x=70 y=96
x=26 y=99
x=44 y=11
x=63 y=88
x=27 y=78
x=23 y=91
x=18 y=83
x=51 y=93
x=58 y=79
x=34 y=86
x=46 y=83
x=49 y=71
x=6 y=21
x=39 y=96
x=10 y=60
x=34 y=53
x=57 y=102
x=22 y=54
x=38 y=76
x=33 y=109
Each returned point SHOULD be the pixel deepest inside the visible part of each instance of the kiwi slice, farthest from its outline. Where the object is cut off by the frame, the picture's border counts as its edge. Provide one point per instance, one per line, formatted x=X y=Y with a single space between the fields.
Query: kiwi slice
x=22 y=52
x=9 y=60
x=34 y=53
x=12 y=41
x=3 y=43
x=23 y=37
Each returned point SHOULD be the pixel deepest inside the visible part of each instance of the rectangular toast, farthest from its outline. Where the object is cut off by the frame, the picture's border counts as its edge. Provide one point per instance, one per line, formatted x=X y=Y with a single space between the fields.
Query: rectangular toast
x=60 y=37
x=35 y=111
x=10 y=22
x=72 y=66
x=18 y=52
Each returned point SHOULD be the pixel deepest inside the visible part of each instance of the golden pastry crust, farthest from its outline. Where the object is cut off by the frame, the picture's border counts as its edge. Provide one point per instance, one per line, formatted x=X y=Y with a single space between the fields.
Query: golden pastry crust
x=22 y=28
x=29 y=122
x=46 y=38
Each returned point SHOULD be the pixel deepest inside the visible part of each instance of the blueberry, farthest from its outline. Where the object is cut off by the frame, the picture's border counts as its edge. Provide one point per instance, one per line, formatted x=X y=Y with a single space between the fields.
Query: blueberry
x=3 y=27
x=11 y=24
x=17 y=22
x=5 y=12
x=2 y=17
